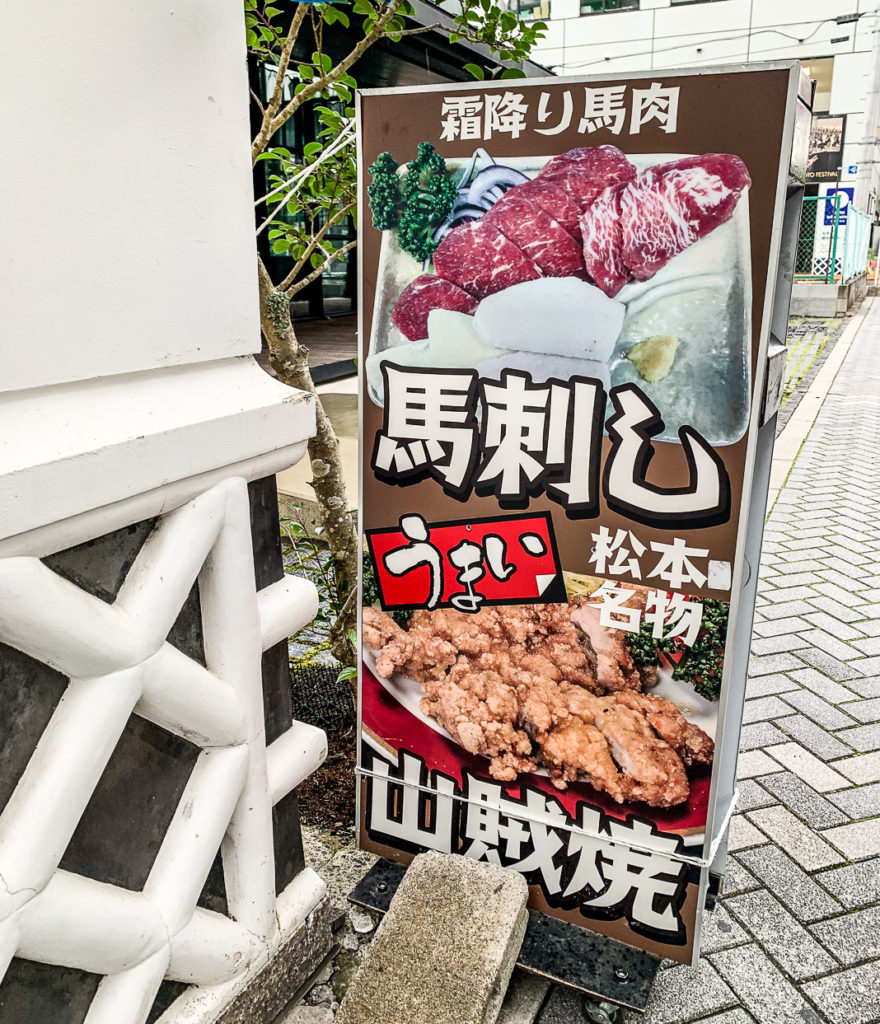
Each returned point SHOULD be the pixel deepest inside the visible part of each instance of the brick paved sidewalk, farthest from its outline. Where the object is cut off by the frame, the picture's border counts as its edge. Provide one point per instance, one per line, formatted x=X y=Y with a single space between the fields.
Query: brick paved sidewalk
x=796 y=937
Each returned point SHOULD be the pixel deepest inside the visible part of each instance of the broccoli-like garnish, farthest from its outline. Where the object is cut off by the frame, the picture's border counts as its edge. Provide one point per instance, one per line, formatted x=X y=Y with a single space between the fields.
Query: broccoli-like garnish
x=370 y=591
x=701 y=664
x=384 y=192
x=416 y=203
x=428 y=194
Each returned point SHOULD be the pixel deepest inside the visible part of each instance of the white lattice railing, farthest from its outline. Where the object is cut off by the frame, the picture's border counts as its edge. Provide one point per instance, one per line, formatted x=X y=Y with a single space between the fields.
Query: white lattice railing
x=119 y=662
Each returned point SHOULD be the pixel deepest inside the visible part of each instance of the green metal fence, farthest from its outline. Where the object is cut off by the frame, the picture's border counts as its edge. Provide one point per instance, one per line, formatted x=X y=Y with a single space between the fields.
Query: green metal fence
x=832 y=241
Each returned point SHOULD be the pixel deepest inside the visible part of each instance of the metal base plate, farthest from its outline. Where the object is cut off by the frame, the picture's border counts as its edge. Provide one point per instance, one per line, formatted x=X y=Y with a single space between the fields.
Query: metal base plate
x=557 y=950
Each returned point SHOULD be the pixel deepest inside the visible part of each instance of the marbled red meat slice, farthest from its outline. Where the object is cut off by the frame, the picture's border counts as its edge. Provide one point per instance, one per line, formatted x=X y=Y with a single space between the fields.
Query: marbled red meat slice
x=538 y=235
x=553 y=200
x=603 y=241
x=480 y=259
x=586 y=172
x=670 y=206
x=427 y=292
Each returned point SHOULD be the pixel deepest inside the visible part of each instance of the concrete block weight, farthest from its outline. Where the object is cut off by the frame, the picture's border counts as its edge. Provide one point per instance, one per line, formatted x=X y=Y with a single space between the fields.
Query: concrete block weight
x=445 y=950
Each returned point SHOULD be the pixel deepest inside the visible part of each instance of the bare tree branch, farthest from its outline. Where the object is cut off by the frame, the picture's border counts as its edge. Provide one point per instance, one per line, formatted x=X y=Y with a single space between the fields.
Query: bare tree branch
x=315 y=274
x=419 y=31
x=266 y=130
x=310 y=248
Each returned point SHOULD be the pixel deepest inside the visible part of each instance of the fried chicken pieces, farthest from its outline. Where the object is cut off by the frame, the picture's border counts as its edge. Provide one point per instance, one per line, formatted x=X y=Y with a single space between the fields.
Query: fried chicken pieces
x=523 y=686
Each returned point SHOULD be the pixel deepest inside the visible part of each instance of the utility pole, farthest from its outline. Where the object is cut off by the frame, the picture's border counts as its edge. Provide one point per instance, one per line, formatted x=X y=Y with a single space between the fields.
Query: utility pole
x=864 y=180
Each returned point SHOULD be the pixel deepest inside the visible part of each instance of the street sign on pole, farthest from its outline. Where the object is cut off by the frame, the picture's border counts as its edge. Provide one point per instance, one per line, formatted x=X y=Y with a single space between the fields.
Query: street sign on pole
x=566 y=292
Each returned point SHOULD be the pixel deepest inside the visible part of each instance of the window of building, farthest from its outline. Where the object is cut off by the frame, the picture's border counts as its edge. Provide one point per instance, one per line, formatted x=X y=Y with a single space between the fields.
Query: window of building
x=606 y=6
x=821 y=69
x=529 y=10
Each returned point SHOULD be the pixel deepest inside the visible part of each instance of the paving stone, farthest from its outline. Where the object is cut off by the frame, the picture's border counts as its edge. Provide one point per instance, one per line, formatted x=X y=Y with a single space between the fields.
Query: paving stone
x=853 y=937
x=866 y=687
x=790 y=945
x=523 y=999
x=445 y=950
x=855 y=885
x=765 y=686
x=842 y=579
x=835 y=609
x=865 y=710
x=761 y=987
x=737 y=1016
x=830 y=644
x=763 y=708
x=866 y=666
x=820 y=711
x=743 y=834
x=756 y=762
x=863 y=738
x=303 y=1014
x=763 y=666
x=807 y=766
x=752 y=796
x=737 y=878
x=871 y=645
x=870 y=627
x=764 y=734
x=849 y=997
x=833 y=626
x=776 y=626
x=860 y=802
x=857 y=840
x=785 y=609
x=803 y=801
x=830 y=666
x=794 y=837
x=721 y=931
x=796 y=579
x=684 y=993
x=815 y=682
x=813 y=737
x=778 y=644
x=860 y=769
x=790 y=593
x=807 y=900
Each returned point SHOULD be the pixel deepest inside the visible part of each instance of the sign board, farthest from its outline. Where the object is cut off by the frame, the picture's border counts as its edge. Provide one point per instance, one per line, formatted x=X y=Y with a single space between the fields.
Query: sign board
x=825 y=159
x=559 y=426
x=852 y=169
x=846 y=194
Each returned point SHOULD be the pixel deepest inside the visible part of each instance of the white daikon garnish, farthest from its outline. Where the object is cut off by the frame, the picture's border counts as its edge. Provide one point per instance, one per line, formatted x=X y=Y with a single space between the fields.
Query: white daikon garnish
x=541 y=367
x=452 y=342
x=562 y=316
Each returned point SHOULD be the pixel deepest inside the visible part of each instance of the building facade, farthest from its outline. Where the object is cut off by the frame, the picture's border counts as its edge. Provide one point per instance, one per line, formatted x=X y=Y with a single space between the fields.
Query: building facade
x=835 y=39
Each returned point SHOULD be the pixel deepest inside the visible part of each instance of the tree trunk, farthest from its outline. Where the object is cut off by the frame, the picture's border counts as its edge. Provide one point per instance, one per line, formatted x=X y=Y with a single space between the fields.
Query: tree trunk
x=290 y=361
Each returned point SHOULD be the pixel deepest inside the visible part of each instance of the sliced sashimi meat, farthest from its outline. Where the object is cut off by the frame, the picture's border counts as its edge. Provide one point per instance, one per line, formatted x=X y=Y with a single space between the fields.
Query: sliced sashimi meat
x=602 y=233
x=427 y=292
x=481 y=260
x=541 y=238
x=670 y=206
x=553 y=200
x=586 y=172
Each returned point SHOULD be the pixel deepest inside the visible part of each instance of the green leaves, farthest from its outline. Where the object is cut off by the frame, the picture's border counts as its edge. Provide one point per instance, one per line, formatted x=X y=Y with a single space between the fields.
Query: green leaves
x=508 y=36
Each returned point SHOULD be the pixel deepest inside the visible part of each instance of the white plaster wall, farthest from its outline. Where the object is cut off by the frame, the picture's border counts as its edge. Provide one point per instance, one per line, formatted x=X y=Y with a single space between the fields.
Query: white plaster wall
x=126 y=207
